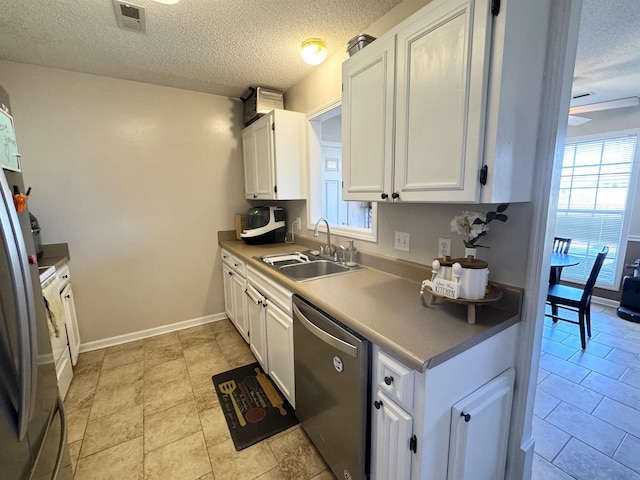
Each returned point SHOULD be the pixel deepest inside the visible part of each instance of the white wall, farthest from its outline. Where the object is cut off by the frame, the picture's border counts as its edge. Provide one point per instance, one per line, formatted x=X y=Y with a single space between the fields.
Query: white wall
x=137 y=179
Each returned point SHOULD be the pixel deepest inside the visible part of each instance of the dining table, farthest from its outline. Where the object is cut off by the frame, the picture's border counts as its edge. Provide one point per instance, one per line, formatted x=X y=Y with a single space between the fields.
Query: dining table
x=558 y=262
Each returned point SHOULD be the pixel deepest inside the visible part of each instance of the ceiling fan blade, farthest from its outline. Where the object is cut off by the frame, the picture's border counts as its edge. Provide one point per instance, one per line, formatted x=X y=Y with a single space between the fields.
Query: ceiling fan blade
x=574 y=120
x=608 y=105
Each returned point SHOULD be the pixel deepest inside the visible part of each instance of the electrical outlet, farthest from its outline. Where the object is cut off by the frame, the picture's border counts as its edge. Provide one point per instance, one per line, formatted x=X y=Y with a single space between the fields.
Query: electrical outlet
x=444 y=247
x=403 y=241
x=298 y=223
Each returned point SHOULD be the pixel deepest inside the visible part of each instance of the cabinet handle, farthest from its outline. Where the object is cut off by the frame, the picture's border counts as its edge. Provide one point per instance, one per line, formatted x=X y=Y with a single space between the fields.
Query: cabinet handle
x=466 y=416
x=388 y=380
x=377 y=404
x=395 y=195
x=384 y=196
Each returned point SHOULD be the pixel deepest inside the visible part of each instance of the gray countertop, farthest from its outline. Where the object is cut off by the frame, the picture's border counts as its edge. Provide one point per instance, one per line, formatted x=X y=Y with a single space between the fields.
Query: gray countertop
x=387 y=310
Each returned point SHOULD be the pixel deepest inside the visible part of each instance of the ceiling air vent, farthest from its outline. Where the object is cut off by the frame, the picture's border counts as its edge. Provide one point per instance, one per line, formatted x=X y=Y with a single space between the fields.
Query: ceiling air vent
x=129 y=16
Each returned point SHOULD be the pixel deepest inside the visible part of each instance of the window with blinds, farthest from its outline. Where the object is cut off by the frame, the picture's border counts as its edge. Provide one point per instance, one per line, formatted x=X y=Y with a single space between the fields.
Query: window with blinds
x=593 y=204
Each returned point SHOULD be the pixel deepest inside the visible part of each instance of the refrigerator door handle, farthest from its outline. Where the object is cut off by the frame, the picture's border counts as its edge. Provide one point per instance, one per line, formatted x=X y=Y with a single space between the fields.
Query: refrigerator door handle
x=63 y=438
x=24 y=306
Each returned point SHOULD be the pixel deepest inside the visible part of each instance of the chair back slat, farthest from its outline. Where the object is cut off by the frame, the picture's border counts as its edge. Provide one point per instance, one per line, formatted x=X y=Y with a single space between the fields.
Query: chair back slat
x=595 y=270
x=561 y=245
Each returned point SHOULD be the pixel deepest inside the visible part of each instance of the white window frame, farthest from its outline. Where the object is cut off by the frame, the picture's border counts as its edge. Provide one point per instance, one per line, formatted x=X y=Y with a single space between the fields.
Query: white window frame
x=314 y=209
x=628 y=211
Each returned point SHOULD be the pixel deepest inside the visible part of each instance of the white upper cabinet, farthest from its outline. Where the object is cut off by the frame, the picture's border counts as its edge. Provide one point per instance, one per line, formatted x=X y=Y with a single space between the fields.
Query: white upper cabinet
x=430 y=110
x=274 y=150
x=441 y=81
x=367 y=122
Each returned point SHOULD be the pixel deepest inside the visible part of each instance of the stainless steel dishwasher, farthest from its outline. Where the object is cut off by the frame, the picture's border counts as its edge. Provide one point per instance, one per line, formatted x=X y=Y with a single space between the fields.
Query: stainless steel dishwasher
x=332 y=365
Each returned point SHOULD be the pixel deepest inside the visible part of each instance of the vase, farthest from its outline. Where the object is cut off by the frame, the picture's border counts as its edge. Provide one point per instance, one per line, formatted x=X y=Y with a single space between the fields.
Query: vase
x=470 y=253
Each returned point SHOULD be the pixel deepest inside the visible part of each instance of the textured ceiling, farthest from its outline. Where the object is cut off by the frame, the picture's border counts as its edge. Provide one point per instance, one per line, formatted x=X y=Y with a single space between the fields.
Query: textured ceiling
x=224 y=46
x=608 y=57
x=214 y=46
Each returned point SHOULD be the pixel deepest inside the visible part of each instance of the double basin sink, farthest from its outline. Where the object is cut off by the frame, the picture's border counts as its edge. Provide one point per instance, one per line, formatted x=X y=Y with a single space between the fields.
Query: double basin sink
x=302 y=266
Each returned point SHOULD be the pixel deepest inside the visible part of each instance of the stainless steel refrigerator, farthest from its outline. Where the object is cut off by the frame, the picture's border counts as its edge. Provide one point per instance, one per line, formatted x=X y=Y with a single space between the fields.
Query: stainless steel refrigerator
x=32 y=424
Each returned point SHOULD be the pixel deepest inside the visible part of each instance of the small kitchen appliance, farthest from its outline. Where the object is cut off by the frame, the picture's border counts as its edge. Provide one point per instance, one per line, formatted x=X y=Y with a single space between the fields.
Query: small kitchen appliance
x=264 y=225
x=258 y=101
x=630 y=299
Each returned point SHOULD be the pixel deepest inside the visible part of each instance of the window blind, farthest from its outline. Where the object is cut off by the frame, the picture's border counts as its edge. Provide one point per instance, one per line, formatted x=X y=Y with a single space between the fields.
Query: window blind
x=594 y=186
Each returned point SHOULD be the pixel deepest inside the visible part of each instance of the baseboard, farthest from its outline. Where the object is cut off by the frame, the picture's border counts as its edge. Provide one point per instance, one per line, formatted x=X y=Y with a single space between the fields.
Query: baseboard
x=607 y=302
x=152 y=332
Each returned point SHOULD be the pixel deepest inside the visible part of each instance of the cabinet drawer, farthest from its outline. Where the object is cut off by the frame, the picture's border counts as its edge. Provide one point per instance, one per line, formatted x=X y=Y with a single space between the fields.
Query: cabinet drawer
x=394 y=379
x=274 y=292
x=63 y=275
x=234 y=262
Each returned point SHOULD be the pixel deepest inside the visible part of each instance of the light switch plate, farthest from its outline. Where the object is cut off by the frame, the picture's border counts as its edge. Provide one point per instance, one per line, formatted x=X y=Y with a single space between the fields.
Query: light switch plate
x=403 y=241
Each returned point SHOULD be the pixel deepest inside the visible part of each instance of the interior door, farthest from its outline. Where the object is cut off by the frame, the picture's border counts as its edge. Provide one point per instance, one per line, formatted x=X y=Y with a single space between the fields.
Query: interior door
x=336 y=210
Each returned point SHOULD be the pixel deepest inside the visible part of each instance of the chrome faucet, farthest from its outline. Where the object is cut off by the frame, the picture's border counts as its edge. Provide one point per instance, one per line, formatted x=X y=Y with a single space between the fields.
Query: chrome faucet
x=328 y=250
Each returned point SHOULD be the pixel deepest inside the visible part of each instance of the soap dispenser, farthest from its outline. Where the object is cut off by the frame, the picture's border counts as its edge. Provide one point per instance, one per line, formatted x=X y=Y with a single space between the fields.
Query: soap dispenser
x=350 y=255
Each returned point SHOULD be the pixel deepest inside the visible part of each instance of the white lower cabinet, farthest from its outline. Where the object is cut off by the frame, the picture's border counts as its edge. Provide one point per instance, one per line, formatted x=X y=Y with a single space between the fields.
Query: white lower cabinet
x=392 y=432
x=280 y=350
x=271 y=330
x=257 y=318
x=235 y=284
x=479 y=431
x=419 y=419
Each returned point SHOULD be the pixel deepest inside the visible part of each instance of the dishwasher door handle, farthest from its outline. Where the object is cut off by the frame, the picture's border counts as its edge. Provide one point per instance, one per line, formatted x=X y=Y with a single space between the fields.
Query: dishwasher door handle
x=326 y=337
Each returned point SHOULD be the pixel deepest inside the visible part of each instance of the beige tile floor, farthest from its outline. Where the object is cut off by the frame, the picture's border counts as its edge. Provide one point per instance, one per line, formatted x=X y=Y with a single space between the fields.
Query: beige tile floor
x=148 y=410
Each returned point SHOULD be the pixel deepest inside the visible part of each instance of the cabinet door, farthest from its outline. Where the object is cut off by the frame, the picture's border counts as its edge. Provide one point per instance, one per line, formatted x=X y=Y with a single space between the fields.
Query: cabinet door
x=480 y=430
x=392 y=430
x=227 y=274
x=442 y=70
x=249 y=155
x=280 y=350
x=239 y=284
x=265 y=176
x=256 y=313
x=73 y=333
x=367 y=122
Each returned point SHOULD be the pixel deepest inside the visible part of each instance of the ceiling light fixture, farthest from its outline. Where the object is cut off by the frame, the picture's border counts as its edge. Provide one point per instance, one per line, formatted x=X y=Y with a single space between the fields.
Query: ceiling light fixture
x=314 y=51
x=167 y=2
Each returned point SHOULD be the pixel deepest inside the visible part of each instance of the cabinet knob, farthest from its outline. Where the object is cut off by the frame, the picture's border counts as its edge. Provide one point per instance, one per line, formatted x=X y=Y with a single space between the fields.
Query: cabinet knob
x=67 y=296
x=388 y=380
x=395 y=195
x=377 y=404
x=466 y=416
x=230 y=273
x=384 y=196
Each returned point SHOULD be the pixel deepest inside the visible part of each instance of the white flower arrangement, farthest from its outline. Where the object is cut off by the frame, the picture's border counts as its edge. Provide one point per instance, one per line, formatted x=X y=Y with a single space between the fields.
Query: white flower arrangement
x=474 y=225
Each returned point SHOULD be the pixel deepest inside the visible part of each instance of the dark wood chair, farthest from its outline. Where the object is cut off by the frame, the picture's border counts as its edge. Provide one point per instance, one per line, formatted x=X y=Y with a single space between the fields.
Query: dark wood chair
x=560 y=245
x=576 y=299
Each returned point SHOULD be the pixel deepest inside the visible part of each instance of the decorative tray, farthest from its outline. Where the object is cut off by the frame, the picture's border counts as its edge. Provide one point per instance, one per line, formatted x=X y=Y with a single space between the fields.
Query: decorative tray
x=493 y=295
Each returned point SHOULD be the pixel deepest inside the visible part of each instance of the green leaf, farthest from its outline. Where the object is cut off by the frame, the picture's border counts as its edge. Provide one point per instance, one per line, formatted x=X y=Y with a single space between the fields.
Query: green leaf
x=491 y=216
x=501 y=217
x=477 y=221
x=502 y=207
